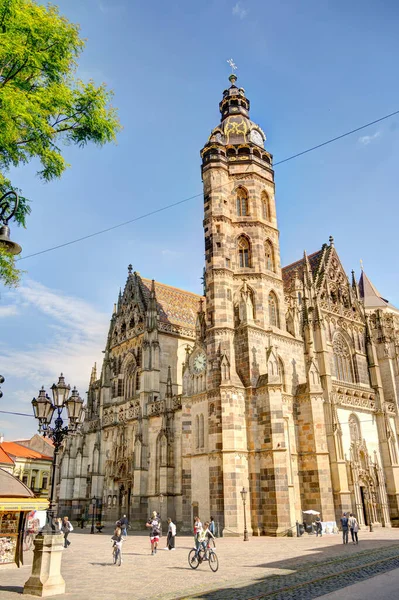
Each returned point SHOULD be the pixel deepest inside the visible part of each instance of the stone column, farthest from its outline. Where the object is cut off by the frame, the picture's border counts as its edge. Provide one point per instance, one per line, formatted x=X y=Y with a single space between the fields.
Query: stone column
x=46 y=578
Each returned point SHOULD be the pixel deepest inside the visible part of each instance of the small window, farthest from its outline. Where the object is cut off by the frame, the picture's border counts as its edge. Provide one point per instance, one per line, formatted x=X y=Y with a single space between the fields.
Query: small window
x=217 y=228
x=243 y=252
x=45 y=483
x=25 y=479
x=242 y=203
x=273 y=310
x=228 y=294
x=265 y=206
x=228 y=263
x=269 y=256
x=218 y=244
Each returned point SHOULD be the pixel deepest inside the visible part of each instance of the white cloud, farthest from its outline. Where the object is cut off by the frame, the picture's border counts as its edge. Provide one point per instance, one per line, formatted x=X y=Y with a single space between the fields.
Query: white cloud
x=8 y=311
x=239 y=11
x=73 y=341
x=367 y=139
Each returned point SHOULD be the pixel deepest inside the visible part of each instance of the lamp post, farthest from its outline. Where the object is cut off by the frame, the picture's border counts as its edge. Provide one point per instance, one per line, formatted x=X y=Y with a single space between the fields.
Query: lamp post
x=2 y=380
x=244 y=493
x=8 y=208
x=46 y=578
x=93 y=509
x=43 y=410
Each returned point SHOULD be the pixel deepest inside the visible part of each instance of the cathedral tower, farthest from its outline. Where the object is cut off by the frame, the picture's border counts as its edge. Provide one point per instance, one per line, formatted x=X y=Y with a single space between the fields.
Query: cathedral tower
x=244 y=304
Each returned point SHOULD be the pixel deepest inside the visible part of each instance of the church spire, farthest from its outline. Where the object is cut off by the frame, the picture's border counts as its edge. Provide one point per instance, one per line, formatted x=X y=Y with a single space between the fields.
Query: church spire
x=93 y=377
x=152 y=312
x=200 y=325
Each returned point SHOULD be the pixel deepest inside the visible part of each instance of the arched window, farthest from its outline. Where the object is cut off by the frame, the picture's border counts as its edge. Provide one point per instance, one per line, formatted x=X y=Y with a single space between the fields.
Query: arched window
x=202 y=436
x=137 y=381
x=273 y=310
x=354 y=428
x=269 y=256
x=197 y=431
x=242 y=202
x=342 y=359
x=244 y=252
x=265 y=206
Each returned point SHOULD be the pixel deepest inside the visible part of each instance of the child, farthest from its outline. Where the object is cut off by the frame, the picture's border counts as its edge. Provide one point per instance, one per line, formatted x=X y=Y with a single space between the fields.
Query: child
x=117 y=543
x=154 y=523
x=203 y=539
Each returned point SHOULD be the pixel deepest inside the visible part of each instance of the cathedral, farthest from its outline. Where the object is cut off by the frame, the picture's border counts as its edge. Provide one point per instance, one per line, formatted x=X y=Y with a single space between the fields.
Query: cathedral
x=280 y=380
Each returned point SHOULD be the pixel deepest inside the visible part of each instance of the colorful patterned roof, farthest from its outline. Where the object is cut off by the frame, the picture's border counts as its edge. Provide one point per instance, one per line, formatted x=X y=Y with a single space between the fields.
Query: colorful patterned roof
x=175 y=306
x=288 y=272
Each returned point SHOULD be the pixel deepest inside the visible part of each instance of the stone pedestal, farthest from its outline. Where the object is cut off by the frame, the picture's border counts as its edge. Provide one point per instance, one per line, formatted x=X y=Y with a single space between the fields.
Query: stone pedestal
x=46 y=578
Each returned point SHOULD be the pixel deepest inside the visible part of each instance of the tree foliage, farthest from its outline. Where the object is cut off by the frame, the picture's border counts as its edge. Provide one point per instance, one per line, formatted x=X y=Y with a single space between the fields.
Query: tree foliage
x=42 y=103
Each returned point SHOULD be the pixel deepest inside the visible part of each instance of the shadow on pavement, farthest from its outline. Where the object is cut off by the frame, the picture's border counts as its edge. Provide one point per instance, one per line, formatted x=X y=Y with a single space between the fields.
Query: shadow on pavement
x=12 y=588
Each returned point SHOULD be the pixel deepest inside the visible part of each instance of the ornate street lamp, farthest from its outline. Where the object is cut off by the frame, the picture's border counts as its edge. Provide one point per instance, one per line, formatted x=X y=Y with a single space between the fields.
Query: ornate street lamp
x=244 y=493
x=8 y=208
x=2 y=380
x=93 y=509
x=43 y=409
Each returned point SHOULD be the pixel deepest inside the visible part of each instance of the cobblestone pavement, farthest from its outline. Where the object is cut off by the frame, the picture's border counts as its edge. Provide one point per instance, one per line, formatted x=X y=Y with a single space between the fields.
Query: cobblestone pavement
x=272 y=568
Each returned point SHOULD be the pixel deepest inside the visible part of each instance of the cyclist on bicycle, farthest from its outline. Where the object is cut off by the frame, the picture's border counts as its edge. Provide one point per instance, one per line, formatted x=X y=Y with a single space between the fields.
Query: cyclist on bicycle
x=117 y=544
x=204 y=536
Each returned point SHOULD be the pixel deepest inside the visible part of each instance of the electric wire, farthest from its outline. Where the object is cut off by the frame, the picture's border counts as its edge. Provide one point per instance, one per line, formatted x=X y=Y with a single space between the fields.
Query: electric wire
x=8 y=412
x=168 y=206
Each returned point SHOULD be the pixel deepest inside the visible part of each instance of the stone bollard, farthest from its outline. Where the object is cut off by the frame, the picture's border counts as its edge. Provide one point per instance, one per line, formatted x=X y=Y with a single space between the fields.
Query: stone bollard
x=46 y=578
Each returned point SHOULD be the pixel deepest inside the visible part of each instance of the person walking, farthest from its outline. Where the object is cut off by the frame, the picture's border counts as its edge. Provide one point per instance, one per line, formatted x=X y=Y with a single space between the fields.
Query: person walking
x=170 y=540
x=66 y=528
x=155 y=529
x=345 y=528
x=354 y=527
x=319 y=528
x=117 y=540
x=212 y=527
x=124 y=523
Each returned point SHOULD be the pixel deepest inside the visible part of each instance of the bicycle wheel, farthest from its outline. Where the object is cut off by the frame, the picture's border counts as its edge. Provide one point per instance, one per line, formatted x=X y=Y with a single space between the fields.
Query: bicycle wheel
x=193 y=559
x=213 y=561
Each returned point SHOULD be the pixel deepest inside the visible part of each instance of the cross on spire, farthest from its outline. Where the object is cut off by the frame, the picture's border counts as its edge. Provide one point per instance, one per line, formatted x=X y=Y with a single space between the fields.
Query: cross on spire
x=232 y=65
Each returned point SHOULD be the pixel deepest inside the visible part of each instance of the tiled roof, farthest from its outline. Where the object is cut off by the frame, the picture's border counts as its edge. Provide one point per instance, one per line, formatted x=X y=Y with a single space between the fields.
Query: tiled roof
x=175 y=306
x=4 y=458
x=17 y=450
x=288 y=272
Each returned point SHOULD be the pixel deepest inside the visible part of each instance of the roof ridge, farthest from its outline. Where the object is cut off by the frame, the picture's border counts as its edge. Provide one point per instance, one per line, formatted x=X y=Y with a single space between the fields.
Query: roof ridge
x=172 y=287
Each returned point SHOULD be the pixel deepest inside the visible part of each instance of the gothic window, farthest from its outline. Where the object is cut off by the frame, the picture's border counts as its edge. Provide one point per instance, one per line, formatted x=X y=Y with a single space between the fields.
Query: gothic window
x=354 y=428
x=139 y=357
x=120 y=387
x=123 y=330
x=130 y=374
x=342 y=359
x=197 y=431
x=269 y=255
x=265 y=206
x=131 y=324
x=273 y=310
x=242 y=202
x=244 y=252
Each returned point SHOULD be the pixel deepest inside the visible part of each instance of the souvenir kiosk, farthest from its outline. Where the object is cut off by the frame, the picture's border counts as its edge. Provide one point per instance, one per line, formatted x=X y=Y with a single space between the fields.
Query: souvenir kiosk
x=16 y=502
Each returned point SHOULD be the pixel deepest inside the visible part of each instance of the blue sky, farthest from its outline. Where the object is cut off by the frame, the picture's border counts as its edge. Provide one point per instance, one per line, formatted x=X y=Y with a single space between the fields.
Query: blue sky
x=312 y=70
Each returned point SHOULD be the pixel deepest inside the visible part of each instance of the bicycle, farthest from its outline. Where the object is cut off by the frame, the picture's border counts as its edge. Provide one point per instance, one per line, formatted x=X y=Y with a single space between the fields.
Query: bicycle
x=117 y=554
x=195 y=559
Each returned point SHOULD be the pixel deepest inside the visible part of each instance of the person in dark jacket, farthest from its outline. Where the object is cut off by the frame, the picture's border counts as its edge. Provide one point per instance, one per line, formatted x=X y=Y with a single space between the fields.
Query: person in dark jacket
x=124 y=523
x=318 y=526
x=345 y=528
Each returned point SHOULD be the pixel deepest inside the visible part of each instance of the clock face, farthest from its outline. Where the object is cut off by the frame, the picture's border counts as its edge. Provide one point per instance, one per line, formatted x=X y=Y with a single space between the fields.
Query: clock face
x=199 y=363
x=256 y=138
